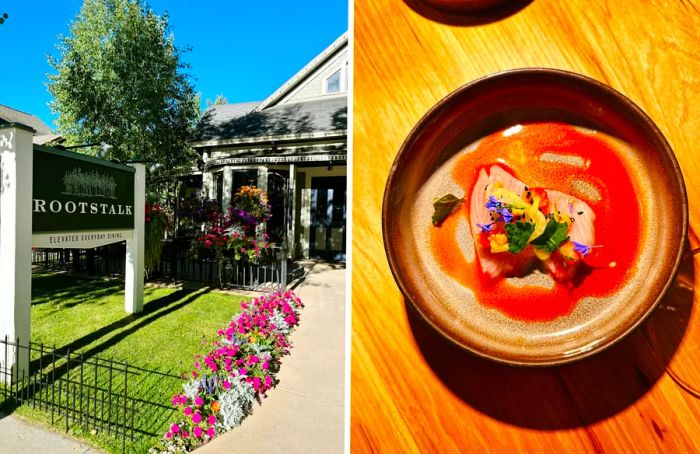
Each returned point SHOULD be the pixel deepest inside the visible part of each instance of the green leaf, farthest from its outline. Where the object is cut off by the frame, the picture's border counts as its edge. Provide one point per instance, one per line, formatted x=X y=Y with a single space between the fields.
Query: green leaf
x=444 y=206
x=553 y=236
x=518 y=233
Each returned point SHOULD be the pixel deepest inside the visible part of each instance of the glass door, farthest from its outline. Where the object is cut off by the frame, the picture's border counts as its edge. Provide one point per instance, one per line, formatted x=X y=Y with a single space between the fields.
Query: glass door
x=328 y=212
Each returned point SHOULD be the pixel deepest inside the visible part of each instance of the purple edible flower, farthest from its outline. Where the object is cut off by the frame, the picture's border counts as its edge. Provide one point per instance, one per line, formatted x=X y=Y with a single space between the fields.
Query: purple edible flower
x=485 y=227
x=506 y=215
x=581 y=248
x=492 y=204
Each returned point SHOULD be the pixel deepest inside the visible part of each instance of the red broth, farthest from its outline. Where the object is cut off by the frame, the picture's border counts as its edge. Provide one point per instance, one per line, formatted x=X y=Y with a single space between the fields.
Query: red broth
x=617 y=223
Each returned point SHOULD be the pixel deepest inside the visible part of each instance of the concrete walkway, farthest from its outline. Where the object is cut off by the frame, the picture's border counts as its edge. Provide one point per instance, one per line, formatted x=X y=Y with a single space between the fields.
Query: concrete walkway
x=304 y=414
x=20 y=437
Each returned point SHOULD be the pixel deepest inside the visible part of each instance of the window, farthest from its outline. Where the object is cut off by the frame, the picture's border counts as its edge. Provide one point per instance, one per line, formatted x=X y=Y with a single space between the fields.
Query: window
x=333 y=83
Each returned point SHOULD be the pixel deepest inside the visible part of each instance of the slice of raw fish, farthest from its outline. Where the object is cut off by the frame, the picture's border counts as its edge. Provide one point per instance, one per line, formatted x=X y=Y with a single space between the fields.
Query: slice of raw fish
x=581 y=230
x=502 y=263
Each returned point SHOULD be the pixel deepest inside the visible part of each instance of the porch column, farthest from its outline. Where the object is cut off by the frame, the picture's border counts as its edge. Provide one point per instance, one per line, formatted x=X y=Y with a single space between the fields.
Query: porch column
x=306 y=217
x=16 y=171
x=262 y=178
x=133 y=279
x=227 y=187
x=291 y=239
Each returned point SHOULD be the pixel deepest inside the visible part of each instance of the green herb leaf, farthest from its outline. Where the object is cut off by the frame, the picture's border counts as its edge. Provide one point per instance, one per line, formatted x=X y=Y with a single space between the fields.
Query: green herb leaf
x=553 y=236
x=518 y=233
x=444 y=206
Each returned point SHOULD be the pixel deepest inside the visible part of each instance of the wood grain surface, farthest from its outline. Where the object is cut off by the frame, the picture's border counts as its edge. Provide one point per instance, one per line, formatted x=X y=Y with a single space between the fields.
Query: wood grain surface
x=414 y=392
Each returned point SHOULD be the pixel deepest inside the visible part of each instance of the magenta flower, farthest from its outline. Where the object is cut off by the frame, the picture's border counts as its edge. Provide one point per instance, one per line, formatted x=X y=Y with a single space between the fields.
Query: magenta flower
x=168 y=435
x=226 y=384
x=266 y=365
x=211 y=420
x=211 y=432
x=256 y=383
x=188 y=411
x=268 y=381
x=198 y=401
x=174 y=428
x=197 y=418
x=197 y=432
x=185 y=434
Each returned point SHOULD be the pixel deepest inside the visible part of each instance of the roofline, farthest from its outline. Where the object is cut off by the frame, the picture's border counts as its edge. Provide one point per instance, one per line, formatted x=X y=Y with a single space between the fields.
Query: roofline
x=305 y=71
x=14 y=124
x=268 y=139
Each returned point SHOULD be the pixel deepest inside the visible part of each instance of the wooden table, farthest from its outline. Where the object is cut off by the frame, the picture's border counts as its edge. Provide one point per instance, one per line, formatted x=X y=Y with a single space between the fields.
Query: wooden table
x=414 y=392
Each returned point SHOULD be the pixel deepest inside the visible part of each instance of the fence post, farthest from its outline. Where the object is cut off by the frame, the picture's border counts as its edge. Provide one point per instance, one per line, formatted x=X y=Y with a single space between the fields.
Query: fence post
x=16 y=175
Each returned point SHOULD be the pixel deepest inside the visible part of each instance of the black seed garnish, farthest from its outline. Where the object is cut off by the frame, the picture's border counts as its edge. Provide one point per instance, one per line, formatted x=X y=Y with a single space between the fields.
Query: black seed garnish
x=580 y=213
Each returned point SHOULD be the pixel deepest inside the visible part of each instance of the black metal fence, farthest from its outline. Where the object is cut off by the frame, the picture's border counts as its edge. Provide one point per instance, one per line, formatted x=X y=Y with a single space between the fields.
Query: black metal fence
x=179 y=262
x=91 y=393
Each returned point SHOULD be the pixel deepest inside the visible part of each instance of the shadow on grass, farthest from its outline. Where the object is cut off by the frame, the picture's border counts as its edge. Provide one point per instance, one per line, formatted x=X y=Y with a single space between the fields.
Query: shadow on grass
x=152 y=312
x=52 y=288
x=149 y=389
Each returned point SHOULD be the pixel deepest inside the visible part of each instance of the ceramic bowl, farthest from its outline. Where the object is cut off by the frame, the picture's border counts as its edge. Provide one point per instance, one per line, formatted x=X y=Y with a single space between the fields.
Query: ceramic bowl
x=499 y=101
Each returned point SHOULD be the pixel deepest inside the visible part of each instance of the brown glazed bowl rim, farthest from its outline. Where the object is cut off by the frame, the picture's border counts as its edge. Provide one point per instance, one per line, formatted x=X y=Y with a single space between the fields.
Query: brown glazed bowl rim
x=648 y=124
x=465 y=6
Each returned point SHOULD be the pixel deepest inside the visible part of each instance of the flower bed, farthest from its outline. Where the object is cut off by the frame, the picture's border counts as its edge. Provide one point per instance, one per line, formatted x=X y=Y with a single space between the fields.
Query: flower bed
x=240 y=369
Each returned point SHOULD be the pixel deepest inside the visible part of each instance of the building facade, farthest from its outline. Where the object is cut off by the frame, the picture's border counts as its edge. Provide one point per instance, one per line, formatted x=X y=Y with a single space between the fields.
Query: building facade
x=294 y=146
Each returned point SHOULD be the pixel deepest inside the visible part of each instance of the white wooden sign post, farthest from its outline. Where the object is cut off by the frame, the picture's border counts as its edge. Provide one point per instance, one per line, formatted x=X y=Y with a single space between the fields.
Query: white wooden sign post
x=16 y=240
x=58 y=199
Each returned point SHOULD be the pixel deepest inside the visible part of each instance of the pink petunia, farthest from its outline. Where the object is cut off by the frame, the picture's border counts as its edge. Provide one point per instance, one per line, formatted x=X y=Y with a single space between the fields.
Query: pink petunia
x=226 y=384
x=211 y=432
x=256 y=383
x=198 y=401
x=197 y=432
x=211 y=420
x=168 y=435
x=197 y=418
x=185 y=434
x=174 y=428
x=266 y=365
x=268 y=381
x=188 y=411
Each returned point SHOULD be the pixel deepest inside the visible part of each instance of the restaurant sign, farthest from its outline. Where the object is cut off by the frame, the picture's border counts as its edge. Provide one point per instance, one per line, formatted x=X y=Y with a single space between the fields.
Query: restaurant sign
x=73 y=192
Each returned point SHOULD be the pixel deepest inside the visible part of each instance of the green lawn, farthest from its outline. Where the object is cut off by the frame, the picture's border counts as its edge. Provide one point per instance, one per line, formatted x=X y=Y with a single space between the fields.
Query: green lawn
x=87 y=316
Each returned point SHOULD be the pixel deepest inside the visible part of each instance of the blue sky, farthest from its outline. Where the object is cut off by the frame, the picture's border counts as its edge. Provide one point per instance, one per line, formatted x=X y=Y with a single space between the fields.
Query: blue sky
x=241 y=49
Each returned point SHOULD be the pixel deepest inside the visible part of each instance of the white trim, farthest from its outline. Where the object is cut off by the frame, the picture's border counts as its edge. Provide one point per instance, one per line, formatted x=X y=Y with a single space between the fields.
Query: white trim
x=84 y=239
x=305 y=71
x=274 y=160
x=268 y=139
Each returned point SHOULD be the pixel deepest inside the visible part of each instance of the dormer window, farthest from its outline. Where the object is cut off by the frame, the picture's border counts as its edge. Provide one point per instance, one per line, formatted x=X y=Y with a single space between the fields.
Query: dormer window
x=333 y=83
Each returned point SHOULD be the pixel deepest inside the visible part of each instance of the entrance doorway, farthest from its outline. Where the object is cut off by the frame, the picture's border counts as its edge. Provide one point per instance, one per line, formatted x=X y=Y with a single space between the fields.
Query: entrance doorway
x=328 y=212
